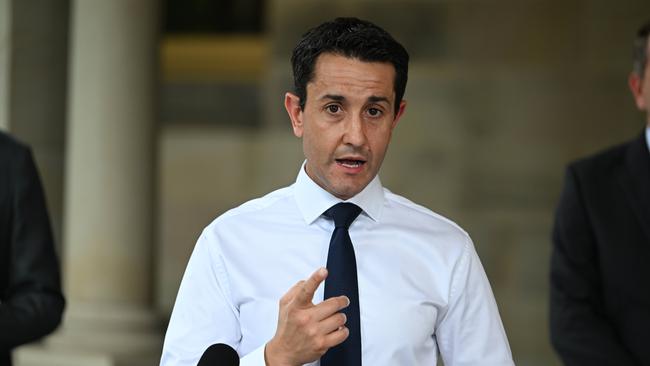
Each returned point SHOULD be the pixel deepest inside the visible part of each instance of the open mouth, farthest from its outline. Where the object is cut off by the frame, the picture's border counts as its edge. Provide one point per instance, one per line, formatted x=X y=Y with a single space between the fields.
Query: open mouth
x=350 y=163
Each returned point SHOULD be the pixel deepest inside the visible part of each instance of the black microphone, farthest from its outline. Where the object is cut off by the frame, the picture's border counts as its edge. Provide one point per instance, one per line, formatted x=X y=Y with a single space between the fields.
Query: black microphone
x=219 y=355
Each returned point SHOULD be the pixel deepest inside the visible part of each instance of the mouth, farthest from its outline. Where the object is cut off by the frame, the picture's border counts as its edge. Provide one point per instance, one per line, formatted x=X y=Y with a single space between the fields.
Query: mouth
x=351 y=163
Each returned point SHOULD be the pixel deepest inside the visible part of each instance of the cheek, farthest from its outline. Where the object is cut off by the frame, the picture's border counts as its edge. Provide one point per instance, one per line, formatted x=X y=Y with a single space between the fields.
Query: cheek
x=379 y=143
x=308 y=147
x=325 y=140
x=314 y=145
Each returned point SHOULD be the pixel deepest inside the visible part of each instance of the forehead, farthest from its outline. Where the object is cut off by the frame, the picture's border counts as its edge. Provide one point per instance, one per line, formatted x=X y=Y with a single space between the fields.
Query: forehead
x=340 y=74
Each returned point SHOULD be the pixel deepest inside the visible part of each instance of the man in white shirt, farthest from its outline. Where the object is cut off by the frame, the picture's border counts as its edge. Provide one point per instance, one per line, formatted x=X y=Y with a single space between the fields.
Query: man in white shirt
x=255 y=278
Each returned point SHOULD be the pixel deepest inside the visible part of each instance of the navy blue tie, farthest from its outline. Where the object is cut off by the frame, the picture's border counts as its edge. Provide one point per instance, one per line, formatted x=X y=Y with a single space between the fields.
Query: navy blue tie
x=342 y=280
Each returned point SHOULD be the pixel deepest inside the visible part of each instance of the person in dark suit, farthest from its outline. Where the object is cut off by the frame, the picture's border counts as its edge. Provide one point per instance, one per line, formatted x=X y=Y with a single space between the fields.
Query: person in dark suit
x=600 y=266
x=31 y=302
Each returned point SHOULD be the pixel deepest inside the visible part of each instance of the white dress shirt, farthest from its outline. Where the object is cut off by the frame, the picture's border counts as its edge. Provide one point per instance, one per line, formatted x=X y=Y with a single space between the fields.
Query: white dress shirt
x=421 y=285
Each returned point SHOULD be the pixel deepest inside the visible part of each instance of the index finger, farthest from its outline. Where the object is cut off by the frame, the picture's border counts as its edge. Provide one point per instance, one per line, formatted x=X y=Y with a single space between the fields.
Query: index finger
x=308 y=288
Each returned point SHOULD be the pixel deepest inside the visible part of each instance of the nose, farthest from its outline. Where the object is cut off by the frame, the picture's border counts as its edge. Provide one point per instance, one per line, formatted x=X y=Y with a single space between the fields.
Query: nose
x=355 y=132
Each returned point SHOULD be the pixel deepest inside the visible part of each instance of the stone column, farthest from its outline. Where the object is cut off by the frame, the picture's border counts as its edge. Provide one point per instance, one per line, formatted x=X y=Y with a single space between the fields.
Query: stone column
x=109 y=178
x=109 y=188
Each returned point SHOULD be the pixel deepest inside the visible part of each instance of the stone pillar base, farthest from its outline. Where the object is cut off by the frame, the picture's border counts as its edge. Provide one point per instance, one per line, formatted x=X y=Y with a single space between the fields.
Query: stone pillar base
x=99 y=335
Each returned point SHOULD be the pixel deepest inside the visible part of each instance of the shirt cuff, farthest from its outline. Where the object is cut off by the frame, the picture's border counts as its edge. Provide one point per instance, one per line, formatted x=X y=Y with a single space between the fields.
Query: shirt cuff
x=255 y=358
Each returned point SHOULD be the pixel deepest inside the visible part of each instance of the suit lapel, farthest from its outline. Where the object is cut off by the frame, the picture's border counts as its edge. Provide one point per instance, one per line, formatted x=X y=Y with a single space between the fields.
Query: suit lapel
x=635 y=180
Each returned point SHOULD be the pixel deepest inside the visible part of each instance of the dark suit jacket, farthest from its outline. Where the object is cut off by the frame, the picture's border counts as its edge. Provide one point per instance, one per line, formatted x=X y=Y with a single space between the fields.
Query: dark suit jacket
x=600 y=267
x=31 y=302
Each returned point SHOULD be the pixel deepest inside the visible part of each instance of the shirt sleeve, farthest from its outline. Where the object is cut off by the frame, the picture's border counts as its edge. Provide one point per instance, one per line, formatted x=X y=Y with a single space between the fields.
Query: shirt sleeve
x=204 y=313
x=470 y=332
x=580 y=331
x=255 y=358
x=31 y=304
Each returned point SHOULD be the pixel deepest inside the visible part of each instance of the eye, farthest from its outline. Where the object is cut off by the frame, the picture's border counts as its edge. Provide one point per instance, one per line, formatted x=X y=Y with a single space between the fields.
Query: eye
x=374 y=112
x=333 y=108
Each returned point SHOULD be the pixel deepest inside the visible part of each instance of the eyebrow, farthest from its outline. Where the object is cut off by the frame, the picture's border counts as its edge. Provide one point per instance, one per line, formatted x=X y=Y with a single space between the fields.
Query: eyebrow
x=340 y=98
x=376 y=99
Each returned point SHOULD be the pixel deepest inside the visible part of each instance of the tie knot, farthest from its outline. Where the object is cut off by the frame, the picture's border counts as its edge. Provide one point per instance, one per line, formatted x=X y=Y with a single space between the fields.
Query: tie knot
x=343 y=214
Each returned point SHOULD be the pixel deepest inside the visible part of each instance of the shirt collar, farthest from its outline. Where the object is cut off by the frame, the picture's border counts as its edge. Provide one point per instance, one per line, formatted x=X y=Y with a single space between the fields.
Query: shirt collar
x=313 y=200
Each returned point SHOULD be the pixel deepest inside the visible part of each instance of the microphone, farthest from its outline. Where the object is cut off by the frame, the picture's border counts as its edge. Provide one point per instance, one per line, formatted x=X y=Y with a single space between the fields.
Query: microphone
x=219 y=355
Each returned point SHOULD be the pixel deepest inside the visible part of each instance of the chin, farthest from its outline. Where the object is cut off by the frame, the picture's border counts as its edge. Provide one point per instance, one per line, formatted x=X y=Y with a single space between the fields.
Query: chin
x=348 y=188
x=348 y=193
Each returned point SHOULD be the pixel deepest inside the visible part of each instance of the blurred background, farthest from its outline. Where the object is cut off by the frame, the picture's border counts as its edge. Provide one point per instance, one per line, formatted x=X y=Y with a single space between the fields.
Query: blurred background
x=150 y=118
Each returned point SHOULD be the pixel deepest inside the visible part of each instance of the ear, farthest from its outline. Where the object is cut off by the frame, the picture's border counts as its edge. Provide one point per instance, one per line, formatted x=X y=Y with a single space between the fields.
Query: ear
x=400 y=112
x=292 y=105
x=636 y=86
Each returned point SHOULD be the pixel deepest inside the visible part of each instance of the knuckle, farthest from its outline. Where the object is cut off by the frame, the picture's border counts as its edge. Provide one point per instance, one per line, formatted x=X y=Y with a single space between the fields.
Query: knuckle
x=345 y=332
x=320 y=346
x=303 y=291
x=341 y=334
x=312 y=332
x=300 y=284
x=302 y=319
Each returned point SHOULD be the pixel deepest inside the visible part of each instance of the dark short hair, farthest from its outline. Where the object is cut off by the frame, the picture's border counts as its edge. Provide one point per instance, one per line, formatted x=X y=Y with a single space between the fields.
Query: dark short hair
x=352 y=38
x=640 y=57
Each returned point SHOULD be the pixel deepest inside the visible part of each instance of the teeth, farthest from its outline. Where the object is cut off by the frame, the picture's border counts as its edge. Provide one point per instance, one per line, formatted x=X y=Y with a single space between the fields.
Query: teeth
x=351 y=164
